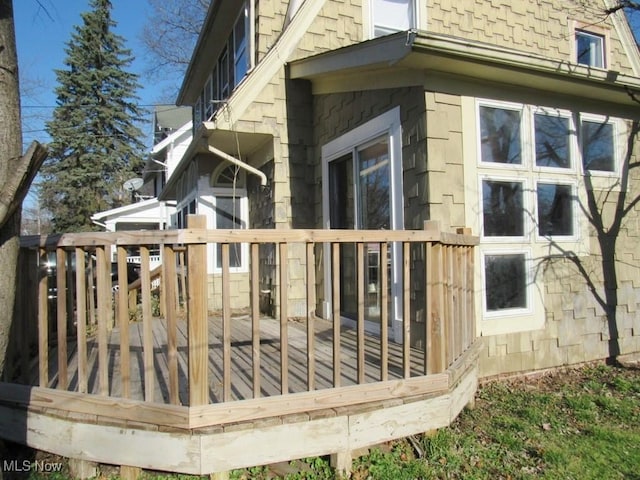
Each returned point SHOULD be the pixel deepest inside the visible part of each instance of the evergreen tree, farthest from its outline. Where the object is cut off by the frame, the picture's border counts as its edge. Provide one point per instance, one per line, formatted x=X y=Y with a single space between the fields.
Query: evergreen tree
x=95 y=144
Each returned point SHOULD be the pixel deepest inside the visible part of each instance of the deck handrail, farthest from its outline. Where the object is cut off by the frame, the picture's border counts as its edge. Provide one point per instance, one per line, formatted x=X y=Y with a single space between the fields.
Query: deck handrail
x=437 y=272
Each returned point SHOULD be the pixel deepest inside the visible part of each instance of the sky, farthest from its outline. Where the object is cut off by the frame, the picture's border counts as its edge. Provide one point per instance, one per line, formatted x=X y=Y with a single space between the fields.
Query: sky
x=43 y=28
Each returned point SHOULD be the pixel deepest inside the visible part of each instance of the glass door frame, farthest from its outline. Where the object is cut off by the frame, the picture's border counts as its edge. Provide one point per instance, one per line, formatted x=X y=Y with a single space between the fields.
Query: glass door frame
x=385 y=125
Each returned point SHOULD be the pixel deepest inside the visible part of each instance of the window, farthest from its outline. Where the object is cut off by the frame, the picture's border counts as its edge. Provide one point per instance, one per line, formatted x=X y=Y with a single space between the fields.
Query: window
x=527 y=189
x=230 y=211
x=240 y=54
x=390 y=16
x=552 y=140
x=590 y=49
x=529 y=180
x=231 y=66
x=506 y=281
x=500 y=135
x=223 y=69
x=598 y=149
x=502 y=208
x=555 y=209
x=208 y=105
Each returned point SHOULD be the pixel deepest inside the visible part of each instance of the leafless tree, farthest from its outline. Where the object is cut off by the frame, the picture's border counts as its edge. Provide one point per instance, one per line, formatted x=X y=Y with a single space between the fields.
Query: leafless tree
x=169 y=37
x=608 y=211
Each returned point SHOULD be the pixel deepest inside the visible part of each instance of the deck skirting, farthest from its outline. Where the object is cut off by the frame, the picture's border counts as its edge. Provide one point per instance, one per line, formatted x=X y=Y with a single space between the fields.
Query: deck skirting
x=216 y=448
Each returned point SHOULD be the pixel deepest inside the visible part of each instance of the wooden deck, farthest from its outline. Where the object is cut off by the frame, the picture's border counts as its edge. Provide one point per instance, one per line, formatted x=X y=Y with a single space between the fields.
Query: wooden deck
x=241 y=360
x=209 y=393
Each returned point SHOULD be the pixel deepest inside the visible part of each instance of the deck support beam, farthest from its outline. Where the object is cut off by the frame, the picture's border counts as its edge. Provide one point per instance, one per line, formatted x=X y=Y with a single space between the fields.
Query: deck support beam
x=220 y=476
x=343 y=463
x=130 y=473
x=82 y=469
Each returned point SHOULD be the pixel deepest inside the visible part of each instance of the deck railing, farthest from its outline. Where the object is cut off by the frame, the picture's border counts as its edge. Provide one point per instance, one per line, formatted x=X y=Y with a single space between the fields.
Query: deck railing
x=166 y=345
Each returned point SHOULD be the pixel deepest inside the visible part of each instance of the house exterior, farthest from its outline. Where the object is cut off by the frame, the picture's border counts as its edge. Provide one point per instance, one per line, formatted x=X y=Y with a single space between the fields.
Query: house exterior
x=452 y=179
x=512 y=118
x=172 y=130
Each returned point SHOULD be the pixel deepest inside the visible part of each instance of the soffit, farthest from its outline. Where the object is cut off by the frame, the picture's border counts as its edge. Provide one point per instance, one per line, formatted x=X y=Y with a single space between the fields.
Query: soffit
x=419 y=58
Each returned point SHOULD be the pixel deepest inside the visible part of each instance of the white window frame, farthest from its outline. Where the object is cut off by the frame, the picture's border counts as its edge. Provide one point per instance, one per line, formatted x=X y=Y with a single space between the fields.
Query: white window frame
x=244 y=18
x=532 y=243
x=241 y=195
x=368 y=17
x=510 y=313
x=388 y=124
x=594 y=29
x=524 y=128
x=593 y=35
x=573 y=144
x=617 y=147
x=577 y=234
x=527 y=208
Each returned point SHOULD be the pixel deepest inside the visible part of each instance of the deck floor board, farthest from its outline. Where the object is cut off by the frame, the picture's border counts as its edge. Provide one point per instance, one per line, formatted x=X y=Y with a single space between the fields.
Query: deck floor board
x=241 y=359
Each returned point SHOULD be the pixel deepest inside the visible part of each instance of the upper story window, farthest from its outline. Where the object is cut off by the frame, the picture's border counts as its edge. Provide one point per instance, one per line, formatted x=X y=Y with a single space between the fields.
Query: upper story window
x=590 y=49
x=389 y=16
x=230 y=68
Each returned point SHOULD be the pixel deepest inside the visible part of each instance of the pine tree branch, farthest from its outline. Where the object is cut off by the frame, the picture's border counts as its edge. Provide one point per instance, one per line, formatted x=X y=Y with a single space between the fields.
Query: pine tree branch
x=19 y=179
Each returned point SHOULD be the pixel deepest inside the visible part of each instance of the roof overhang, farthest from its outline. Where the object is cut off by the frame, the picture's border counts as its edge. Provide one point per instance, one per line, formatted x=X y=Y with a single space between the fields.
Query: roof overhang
x=460 y=66
x=228 y=141
x=131 y=210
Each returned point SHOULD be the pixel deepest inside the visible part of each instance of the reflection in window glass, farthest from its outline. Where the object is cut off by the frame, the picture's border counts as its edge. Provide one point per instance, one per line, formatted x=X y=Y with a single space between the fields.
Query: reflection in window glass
x=589 y=48
x=506 y=282
x=391 y=16
x=374 y=186
x=555 y=209
x=240 y=57
x=552 y=141
x=502 y=208
x=597 y=146
x=500 y=135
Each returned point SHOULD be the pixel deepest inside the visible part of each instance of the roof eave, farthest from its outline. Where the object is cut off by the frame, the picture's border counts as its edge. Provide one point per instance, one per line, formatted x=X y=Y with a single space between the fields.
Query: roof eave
x=432 y=53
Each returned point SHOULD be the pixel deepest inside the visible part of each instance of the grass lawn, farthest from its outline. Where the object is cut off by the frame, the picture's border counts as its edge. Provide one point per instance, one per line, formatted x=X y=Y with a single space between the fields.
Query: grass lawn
x=581 y=423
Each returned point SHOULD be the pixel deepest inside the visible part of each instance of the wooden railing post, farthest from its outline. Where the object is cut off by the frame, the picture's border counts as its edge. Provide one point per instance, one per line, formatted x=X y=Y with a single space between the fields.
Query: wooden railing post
x=435 y=341
x=198 y=341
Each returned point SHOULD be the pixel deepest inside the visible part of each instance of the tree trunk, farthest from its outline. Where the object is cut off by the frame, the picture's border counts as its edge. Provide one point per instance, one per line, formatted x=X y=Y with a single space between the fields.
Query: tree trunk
x=10 y=157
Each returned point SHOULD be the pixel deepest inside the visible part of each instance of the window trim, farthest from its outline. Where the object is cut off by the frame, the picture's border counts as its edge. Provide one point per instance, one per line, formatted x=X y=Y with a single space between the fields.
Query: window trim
x=241 y=195
x=588 y=34
x=524 y=128
x=530 y=283
x=419 y=22
x=526 y=208
x=591 y=29
x=536 y=246
x=573 y=144
x=616 y=147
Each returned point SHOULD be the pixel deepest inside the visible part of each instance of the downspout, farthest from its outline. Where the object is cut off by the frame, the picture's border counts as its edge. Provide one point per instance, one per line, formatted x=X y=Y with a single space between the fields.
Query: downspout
x=239 y=163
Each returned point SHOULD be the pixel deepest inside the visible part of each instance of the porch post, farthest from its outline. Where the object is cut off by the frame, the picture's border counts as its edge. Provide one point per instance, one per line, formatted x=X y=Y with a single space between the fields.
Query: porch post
x=197 y=316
